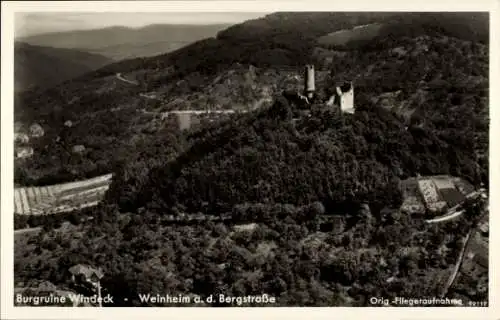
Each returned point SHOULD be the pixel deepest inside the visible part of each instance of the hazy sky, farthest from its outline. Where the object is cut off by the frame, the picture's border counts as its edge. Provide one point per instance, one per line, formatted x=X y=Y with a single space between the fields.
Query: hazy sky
x=36 y=23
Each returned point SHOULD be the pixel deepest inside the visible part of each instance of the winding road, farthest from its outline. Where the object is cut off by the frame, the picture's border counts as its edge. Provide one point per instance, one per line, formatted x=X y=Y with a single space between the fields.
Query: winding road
x=446 y=217
x=458 y=265
x=26 y=230
x=119 y=77
x=229 y=111
x=451 y=214
x=456 y=269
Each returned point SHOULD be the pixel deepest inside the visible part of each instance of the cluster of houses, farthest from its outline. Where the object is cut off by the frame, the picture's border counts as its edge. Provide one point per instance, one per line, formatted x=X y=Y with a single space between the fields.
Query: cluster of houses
x=22 y=148
x=23 y=139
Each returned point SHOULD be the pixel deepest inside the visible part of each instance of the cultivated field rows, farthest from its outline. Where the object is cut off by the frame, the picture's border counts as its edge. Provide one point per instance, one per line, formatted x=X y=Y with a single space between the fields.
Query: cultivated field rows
x=61 y=197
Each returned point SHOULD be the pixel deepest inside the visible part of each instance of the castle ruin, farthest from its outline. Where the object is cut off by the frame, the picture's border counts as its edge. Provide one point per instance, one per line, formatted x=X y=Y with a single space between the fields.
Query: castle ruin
x=342 y=97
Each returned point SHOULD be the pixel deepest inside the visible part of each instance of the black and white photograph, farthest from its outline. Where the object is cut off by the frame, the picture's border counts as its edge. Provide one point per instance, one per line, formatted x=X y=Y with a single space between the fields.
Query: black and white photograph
x=256 y=158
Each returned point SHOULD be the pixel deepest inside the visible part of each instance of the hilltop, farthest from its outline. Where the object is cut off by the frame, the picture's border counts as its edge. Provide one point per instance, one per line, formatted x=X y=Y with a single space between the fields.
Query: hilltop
x=431 y=80
x=276 y=181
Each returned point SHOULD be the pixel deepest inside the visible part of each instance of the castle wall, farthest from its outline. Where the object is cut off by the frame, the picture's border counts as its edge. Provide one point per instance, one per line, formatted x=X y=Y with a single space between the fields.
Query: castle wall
x=347 y=101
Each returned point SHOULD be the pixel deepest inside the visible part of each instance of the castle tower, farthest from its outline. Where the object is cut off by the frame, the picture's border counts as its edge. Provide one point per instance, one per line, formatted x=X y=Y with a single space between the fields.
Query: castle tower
x=309 y=86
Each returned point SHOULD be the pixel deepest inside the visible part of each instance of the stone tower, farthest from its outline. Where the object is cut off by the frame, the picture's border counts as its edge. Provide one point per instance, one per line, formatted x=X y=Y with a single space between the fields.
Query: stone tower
x=309 y=86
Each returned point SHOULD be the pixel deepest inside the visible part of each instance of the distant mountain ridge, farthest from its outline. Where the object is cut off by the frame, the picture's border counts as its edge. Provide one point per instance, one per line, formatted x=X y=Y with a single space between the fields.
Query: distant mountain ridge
x=37 y=66
x=119 y=43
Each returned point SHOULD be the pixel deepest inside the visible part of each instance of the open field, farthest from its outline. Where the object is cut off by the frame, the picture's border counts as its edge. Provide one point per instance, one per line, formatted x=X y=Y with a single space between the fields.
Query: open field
x=342 y=37
x=61 y=197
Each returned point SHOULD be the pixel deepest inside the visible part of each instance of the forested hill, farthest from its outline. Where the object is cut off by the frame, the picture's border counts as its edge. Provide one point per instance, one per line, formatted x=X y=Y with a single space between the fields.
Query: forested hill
x=288 y=38
x=37 y=66
x=327 y=157
x=430 y=72
x=279 y=27
x=275 y=179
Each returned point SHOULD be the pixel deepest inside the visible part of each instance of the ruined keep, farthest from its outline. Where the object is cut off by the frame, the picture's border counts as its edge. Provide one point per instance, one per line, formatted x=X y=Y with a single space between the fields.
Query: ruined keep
x=343 y=97
x=309 y=85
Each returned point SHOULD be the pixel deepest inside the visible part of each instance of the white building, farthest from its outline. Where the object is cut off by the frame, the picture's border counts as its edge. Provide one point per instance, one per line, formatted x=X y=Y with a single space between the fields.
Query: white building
x=21 y=137
x=346 y=97
x=24 y=152
x=343 y=97
x=36 y=130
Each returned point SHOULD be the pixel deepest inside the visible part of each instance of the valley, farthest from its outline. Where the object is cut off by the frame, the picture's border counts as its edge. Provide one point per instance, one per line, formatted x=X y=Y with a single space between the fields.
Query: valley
x=44 y=67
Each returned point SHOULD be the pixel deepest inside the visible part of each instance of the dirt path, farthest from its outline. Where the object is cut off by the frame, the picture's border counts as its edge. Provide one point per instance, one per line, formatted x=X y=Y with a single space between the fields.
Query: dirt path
x=119 y=77
x=446 y=217
x=26 y=230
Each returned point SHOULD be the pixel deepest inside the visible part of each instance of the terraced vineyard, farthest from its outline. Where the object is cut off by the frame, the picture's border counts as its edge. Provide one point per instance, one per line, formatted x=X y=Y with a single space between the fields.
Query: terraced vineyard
x=60 y=197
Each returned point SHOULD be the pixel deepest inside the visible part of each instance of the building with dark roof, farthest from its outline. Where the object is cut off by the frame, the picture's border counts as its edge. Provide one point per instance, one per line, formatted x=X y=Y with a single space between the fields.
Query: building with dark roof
x=85 y=273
